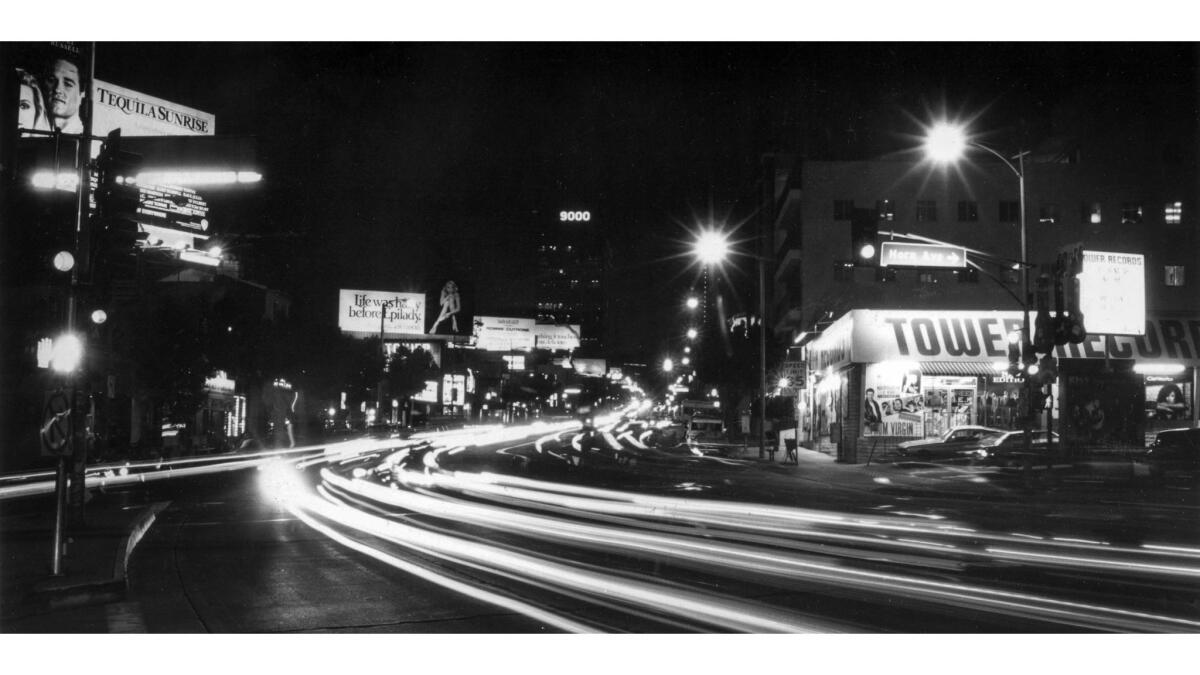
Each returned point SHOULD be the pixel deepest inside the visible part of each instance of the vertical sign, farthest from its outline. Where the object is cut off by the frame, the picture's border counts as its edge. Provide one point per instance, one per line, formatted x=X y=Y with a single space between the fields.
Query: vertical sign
x=1112 y=293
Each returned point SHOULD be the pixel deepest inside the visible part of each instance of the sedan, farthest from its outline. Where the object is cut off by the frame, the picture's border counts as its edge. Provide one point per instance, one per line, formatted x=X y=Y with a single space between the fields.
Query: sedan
x=1009 y=448
x=949 y=444
x=1174 y=454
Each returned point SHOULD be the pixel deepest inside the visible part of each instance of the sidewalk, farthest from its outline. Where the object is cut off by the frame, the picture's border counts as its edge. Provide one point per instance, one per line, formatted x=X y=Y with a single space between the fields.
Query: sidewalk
x=94 y=562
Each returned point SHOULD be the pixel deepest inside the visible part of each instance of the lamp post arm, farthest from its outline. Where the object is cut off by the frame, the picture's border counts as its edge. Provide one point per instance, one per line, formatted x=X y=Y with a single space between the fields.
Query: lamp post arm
x=1007 y=161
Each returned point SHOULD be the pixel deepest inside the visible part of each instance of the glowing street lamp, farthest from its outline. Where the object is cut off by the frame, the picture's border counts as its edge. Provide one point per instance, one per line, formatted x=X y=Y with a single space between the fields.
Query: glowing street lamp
x=668 y=365
x=712 y=247
x=691 y=333
x=693 y=302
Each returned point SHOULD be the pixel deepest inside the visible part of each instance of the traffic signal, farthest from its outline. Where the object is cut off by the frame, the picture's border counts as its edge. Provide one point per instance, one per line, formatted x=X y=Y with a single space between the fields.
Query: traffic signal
x=864 y=237
x=1037 y=399
x=1043 y=333
x=1014 y=355
x=118 y=197
x=1047 y=370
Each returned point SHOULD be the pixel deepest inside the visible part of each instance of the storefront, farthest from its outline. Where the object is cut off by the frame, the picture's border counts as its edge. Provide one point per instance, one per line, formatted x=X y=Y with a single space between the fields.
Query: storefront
x=894 y=375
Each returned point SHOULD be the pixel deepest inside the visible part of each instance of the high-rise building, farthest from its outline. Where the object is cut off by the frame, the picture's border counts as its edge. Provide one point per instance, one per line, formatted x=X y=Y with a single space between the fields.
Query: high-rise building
x=570 y=268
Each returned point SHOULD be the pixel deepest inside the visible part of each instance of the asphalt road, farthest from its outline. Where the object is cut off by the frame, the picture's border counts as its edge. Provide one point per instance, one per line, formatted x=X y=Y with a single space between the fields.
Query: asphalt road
x=465 y=534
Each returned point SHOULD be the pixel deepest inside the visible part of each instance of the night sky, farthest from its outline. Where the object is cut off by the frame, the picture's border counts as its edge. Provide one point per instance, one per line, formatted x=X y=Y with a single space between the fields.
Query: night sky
x=386 y=164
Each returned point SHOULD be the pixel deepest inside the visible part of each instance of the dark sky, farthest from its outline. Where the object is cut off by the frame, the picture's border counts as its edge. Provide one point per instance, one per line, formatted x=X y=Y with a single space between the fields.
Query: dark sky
x=385 y=158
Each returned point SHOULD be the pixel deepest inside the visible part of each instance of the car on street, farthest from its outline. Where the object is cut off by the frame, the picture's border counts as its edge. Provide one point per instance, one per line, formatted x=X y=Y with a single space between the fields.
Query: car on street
x=1008 y=449
x=949 y=444
x=1174 y=455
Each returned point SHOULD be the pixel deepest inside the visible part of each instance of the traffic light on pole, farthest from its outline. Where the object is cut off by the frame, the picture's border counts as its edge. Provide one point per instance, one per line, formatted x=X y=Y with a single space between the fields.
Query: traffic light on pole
x=864 y=237
x=118 y=197
x=1014 y=354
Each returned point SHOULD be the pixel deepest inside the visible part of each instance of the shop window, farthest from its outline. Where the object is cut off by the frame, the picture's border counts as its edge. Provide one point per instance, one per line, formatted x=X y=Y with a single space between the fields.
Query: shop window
x=1173 y=275
x=1010 y=212
x=1131 y=214
x=926 y=211
x=1048 y=214
x=1173 y=213
x=843 y=209
x=968 y=212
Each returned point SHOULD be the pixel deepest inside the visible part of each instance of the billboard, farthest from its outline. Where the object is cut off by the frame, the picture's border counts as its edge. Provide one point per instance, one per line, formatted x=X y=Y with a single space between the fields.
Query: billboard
x=371 y=311
x=503 y=334
x=450 y=309
x=556 y=337
x=138 y=114
x=1112 y=293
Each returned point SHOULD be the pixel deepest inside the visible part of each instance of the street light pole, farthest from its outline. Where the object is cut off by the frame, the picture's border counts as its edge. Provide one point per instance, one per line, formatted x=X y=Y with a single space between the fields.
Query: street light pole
x=383 y=351
x=1027 y=336
x=762 y=350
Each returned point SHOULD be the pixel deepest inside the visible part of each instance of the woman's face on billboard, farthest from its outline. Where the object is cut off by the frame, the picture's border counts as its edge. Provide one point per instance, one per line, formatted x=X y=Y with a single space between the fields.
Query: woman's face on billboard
x=27 y=110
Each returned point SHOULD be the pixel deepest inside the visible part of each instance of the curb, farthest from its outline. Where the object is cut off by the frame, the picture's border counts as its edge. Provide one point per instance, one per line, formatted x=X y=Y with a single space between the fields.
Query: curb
x=53 y=595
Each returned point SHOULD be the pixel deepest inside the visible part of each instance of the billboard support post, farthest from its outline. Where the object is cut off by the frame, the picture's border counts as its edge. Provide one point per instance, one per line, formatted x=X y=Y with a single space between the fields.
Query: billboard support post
x=383 y=351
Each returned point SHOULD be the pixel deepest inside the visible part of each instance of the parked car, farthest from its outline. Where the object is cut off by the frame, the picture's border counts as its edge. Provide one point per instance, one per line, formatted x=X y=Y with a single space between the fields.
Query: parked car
x=1008 y=449
x=950 y=444
x=1174 y=454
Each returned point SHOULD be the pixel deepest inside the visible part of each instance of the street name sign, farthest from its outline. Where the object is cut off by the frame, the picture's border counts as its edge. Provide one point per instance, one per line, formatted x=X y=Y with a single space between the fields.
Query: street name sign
x=902 y=254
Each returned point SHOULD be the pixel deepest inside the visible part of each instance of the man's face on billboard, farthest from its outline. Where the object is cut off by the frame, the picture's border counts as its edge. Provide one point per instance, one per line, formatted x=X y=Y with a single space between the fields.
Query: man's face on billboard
x=62 y=90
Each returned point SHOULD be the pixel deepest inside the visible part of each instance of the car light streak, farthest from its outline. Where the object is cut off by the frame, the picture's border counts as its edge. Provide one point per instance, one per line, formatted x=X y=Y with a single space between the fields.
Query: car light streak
x=718 y=557
x=560 y=622
x=706 y=607
x=1107 y=564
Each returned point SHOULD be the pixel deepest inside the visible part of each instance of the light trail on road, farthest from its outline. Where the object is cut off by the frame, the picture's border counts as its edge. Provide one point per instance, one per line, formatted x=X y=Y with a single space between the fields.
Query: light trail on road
x=444 y=516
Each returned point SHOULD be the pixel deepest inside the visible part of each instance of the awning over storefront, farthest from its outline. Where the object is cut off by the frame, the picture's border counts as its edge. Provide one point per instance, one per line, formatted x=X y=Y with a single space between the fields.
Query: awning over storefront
x=957 y=368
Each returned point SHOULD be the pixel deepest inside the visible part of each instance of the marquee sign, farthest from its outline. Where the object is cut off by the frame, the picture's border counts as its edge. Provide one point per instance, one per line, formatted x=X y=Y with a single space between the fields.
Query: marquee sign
x=872 y=336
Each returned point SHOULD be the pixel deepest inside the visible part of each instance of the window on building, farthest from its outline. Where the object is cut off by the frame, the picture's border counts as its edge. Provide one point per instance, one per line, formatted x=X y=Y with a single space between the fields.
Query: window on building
x=1173 y=213
x=843 y=270
x=1048 y=214
x=1131 y=214
x=927 y=277
x=1173 y=275
x=967 y=275
x=968 y=212
x=1010 y=212
x=926 y=211
x=843 y=209
x=1090 y=213
x=886 y=209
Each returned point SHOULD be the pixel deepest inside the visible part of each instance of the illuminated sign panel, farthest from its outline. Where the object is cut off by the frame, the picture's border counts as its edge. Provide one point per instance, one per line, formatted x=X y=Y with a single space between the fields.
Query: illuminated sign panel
x=556 y=337
x=900 y=254
x=454 y=389
x=363 y=311
x=138 y=114
x=873 y=336
x=503 y=334
x=1112 y=293
x=429 y=394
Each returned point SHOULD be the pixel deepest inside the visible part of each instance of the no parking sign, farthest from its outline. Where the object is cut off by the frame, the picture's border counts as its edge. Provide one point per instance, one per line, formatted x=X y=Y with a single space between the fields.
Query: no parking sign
x=56 y=423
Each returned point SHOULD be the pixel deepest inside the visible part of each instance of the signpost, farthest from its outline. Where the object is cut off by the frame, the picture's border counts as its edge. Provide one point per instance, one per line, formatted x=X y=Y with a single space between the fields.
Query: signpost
x=56 y=424
x=903 y=254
